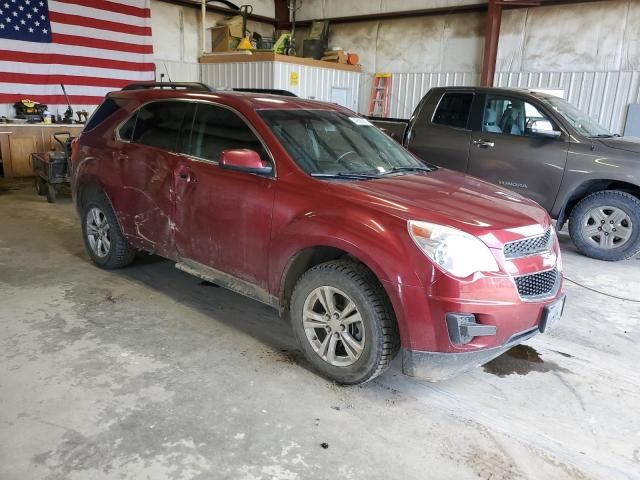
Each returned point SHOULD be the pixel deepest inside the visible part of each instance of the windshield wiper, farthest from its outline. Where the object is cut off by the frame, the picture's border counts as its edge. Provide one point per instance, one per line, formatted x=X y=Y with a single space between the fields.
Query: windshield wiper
x=346 y=175
x=605 y=135
x=407 y=169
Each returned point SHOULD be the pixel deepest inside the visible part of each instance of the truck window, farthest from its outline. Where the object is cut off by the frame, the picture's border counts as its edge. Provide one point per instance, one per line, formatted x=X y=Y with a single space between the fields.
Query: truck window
x=159 y=124
x=512 y=116
x=216 y=129
x=453 y=110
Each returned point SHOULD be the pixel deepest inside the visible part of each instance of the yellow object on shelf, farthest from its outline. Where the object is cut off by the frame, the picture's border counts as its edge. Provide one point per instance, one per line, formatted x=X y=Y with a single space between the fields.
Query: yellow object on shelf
x=245 y=44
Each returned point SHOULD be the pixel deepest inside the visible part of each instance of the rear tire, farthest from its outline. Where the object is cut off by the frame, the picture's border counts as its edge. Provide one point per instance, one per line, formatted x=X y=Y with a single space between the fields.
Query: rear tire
x=354 y=338
x=606 y=225
x=103 y=239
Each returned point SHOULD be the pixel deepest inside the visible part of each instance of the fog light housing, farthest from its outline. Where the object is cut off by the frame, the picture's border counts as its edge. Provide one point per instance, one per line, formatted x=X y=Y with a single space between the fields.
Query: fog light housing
x=463 y=328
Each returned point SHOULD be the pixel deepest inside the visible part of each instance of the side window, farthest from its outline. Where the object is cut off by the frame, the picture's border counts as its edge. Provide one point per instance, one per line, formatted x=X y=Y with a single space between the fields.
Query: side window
x=453 y=110
x=216 y=129
x=512 y=116
x=104 y=111
x=162 y=125
x=126 y=131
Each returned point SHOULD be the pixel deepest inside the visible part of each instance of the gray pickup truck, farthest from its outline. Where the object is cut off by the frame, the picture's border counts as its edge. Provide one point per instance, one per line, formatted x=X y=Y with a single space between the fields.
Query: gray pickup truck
x=541 y=147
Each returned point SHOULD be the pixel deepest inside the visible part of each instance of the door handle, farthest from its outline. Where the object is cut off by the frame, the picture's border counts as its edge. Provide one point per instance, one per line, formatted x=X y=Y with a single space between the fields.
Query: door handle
x=481 y=143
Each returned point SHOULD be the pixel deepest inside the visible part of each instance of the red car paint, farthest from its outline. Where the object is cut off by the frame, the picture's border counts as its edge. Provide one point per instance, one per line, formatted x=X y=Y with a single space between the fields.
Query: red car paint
x=252 y=227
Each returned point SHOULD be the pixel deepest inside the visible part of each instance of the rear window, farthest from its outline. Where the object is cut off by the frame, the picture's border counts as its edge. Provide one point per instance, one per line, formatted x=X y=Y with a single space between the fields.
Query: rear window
x=453 y=110
x=104 y=111
x=162 y=125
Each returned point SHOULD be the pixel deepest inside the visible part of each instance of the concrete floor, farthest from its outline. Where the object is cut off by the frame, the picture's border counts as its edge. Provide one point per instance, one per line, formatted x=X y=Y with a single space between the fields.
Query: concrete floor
x=144 y=373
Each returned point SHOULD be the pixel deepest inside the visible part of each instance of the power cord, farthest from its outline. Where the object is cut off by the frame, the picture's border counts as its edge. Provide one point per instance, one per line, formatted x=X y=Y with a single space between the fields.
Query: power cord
x=601 y=293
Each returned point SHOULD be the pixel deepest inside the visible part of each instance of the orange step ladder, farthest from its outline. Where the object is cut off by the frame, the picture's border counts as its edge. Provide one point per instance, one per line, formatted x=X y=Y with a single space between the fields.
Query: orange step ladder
x=379 y=105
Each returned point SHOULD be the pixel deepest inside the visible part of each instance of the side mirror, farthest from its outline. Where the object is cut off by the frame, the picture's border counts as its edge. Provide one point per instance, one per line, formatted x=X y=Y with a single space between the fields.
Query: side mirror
x=543 y=128
x=244 y=160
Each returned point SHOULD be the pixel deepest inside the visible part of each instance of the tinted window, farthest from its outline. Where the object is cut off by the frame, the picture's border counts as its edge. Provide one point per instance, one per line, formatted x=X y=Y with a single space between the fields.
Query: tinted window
x=104 y=111
x=163 y=124
x=453 y=110
x=512 y=116
x=216 y=129
x=126 y=130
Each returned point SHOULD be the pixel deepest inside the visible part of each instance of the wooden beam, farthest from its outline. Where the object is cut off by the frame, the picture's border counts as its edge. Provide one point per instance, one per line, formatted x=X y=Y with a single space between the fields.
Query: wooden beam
x=221 y=10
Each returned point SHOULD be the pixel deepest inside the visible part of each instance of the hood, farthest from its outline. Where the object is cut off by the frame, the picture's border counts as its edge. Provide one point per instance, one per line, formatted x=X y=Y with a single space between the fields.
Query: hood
x=492 y=213
x=629 y=144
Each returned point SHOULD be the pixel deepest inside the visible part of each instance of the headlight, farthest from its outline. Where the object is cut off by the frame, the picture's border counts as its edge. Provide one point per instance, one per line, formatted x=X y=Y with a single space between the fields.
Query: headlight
x=455 y=251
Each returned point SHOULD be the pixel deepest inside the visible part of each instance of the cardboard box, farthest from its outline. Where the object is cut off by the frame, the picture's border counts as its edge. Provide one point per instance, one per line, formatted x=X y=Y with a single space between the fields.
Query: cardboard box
x=234 y=24
x=222 y=40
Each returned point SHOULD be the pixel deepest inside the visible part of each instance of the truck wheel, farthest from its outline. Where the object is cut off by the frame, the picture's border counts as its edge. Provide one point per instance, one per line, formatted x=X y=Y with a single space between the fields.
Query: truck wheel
x=41 y=186
x=103 y=239
x=344 y=322
x=606 y=225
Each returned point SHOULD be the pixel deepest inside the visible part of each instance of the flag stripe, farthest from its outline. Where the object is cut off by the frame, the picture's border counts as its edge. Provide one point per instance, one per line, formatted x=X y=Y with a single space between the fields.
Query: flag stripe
x=47 y=58
x=111 y=7
x=55 y=79
x=81 y=21
x=75 y=40
x=56 y=69
x=53 y=99
x=87 y=11
x=97 y=33
x=78 y=51
x=55 y=89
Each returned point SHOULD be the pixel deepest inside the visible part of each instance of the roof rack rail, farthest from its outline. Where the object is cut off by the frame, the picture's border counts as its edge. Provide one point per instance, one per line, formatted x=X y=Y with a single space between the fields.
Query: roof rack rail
x=195 y=86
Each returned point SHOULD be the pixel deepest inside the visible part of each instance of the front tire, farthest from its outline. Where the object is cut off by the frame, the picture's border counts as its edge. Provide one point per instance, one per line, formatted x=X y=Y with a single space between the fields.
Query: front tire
x=344 y=322
x=103 y=239
x=606 y=225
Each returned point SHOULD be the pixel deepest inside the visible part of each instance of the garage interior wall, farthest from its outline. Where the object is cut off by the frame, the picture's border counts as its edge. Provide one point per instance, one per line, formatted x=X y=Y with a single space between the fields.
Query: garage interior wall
x=589 y=51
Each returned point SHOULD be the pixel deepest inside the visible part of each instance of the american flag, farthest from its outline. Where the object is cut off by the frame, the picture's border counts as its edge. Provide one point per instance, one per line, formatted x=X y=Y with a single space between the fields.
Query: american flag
x=91 y=46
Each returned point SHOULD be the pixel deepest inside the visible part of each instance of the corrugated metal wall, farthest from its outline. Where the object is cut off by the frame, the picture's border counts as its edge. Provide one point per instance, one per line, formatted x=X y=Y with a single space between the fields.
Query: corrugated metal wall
x=178 y=71
x=312 y=82
x=241 y=75
x=408 y=88
x=603 y=95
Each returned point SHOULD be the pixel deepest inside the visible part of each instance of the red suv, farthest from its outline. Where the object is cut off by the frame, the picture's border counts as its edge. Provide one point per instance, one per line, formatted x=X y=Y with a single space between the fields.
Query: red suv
x=307 y=207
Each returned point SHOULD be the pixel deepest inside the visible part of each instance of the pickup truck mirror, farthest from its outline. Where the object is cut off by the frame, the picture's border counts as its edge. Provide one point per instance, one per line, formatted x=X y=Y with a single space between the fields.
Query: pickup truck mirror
x=543 y=128
x=244 y=160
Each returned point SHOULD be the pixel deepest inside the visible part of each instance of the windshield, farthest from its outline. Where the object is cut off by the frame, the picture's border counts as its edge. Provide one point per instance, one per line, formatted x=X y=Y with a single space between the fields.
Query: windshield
x=330 y=143
x=583 y=123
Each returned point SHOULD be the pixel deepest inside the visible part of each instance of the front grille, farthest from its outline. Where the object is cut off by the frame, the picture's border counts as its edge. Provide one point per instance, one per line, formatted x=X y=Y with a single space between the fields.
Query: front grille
x=538 y=285
x=528 y=246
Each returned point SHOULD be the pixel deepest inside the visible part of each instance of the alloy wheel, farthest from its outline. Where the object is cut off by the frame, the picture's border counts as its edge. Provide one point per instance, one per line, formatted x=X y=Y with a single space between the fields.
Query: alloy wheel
x=98 y=232
x=333 y=326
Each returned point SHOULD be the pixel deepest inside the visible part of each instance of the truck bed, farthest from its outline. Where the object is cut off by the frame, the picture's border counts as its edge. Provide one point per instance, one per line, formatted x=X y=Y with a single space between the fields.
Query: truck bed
x=394 y=127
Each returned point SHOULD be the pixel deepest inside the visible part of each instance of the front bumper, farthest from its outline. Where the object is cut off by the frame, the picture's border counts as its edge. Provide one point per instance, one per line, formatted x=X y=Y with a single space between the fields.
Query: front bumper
x=436 y=366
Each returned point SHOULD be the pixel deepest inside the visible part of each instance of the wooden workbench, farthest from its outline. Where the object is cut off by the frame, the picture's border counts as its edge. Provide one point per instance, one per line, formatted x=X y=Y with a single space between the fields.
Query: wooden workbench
x=19 y=141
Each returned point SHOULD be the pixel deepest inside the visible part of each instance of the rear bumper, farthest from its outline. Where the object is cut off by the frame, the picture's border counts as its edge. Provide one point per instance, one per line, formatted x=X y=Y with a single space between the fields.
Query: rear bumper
x=435 y=366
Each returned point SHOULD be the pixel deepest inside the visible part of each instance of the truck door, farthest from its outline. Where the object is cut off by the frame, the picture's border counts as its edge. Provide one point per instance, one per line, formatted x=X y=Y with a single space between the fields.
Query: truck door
x=519 y=147
x=443 y=138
